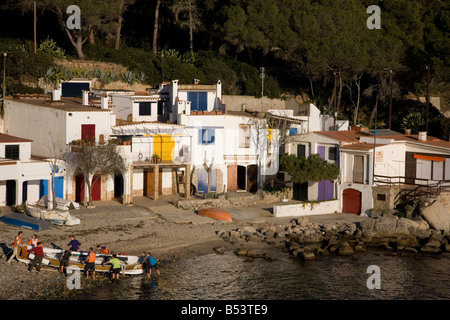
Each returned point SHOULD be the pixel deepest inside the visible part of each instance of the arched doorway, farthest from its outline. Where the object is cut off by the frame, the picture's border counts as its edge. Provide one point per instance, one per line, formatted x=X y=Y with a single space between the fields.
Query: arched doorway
x=351 y=201
x=118 y=186
x=10 y=192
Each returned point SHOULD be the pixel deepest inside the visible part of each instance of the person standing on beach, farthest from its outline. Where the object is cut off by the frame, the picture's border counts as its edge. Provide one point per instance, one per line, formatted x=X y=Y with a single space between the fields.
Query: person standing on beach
x=64 y=261
x=90 y=263
x=150 y=262
x=74 y=244
x=33 y=241
x=38 y=257
x=116 y=266
x=17 y=243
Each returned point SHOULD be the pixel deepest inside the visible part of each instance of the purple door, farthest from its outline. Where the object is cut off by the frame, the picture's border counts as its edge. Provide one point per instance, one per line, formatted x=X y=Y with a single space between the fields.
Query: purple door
x=326 y=187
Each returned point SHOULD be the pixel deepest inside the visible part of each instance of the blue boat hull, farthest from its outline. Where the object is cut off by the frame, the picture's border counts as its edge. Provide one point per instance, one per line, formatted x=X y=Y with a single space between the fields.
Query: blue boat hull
x=24 y=221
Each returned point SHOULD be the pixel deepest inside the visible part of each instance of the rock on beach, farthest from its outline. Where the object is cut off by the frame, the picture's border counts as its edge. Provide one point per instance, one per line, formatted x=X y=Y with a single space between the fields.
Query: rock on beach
x=306 y=240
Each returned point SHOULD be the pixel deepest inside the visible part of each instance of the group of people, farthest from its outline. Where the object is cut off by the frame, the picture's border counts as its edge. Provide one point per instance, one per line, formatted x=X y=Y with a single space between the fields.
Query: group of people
x=37 y=248
x=149 y=262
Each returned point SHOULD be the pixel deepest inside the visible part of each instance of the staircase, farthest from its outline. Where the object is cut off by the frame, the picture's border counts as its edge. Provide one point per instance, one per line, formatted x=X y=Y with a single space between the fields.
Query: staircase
x=407 y=196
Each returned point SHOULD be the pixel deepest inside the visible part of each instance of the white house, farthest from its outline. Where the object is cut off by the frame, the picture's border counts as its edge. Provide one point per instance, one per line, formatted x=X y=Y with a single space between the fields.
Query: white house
x=187 y=98
x=22 y=178
x=55 y=123
x=159 y=156
x=375 y=170
x=378 y=170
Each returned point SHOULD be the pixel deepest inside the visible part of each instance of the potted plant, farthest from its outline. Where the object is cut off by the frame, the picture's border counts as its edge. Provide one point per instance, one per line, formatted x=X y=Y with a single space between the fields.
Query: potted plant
x=219 y=110
x=156 y=158
x=194 y=112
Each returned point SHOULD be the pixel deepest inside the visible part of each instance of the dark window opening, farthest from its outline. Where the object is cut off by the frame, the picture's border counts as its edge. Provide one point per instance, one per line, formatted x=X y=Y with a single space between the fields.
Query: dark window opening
x=12 y=152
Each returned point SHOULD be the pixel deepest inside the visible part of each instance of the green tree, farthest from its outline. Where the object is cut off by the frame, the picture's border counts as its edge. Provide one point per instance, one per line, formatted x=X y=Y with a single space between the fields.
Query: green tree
x=303 y=169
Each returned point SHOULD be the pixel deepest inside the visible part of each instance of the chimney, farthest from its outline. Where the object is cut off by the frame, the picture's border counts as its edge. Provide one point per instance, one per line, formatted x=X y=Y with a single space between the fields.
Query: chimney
x=85 y=97
x=422 y=136
x=105 y=103
x=196 y=81
x=56 y=94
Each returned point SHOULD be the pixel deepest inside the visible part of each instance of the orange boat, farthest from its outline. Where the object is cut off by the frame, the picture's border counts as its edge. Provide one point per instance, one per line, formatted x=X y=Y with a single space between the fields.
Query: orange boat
x=216 y=213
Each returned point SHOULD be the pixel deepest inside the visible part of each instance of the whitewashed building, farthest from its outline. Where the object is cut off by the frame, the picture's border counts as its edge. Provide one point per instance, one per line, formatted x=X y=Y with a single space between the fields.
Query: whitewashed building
x=22 y=177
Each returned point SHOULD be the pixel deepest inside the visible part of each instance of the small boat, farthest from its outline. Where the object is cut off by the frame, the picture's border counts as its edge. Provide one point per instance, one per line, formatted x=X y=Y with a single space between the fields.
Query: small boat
x=216 y=213
x=132 y=264
x=55 y=216
x=22 y=220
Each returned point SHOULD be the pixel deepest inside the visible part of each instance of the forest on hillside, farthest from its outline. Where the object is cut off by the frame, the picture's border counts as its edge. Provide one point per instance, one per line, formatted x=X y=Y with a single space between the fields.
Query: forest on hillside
x=320 y=49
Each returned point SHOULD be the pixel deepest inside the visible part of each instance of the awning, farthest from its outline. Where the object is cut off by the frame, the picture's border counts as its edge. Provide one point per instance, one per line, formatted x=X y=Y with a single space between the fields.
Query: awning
x=431 y=158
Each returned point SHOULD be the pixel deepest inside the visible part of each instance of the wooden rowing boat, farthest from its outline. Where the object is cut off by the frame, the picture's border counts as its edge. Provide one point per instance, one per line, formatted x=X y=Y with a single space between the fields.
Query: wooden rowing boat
x=132 y=264
x=216 y=213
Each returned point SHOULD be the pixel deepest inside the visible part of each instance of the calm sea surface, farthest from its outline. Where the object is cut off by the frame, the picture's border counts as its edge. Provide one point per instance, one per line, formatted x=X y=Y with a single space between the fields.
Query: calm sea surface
x=229 y=277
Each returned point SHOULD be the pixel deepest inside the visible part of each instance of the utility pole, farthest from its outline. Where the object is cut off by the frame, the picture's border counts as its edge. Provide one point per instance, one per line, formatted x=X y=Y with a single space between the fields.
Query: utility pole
x=428 y=97
x=390 y=98
x=262 y=75
x=335 y=101
x=35 y=41
x=4 y=85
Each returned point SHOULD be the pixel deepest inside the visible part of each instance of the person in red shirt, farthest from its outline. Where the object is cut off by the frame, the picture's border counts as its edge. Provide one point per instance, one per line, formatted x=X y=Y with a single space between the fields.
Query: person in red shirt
x=38 y=257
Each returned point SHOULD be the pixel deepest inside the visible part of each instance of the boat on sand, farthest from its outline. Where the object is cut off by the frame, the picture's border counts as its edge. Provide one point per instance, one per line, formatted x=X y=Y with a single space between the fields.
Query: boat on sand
x=132 y=264
x=55 y=216
x=216 y=213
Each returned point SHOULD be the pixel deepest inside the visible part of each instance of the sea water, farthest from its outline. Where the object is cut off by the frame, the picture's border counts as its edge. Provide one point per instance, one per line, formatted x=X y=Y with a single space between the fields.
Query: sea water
x=230 y=277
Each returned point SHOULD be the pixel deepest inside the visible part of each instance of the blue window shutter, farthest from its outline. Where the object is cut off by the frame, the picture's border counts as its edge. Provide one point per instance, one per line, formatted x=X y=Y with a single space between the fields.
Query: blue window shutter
x=193 y=98
x=202 y=101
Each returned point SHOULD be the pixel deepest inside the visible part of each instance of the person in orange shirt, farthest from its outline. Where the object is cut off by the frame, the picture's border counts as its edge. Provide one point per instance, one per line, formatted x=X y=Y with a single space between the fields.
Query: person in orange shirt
x=16 y=245
x=33 y=241
x=103 y=250
x=90 y=263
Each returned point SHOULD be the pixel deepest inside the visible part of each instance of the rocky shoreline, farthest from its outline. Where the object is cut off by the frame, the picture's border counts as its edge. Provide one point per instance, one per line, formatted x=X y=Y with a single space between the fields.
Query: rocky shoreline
x=307 y=240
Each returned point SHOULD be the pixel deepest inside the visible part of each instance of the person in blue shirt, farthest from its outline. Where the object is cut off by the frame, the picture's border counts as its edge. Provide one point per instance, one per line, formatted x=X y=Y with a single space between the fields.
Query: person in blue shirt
x=149 y=263
x=74 y=244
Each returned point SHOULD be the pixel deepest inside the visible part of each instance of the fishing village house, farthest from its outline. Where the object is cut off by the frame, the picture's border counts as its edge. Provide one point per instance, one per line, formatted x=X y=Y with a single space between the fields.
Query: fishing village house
x=56 y=125
x=376 y=171
x=22 y=176
x=167 y=135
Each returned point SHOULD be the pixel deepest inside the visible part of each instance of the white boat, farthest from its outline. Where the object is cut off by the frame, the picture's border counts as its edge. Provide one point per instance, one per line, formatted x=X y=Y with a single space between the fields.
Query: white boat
x=132 y=264
x=55 y=216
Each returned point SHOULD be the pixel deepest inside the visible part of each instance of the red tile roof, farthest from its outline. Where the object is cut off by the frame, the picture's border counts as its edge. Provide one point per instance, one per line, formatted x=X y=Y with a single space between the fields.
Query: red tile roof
x=5 y=138
x=343 y=136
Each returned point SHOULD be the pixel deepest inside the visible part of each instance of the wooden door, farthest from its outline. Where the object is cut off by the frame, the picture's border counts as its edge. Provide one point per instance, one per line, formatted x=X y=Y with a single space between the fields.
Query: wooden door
x=351 y=201
x=88 y=132
x=232 y=177
x=96 y=188
x=149 y=185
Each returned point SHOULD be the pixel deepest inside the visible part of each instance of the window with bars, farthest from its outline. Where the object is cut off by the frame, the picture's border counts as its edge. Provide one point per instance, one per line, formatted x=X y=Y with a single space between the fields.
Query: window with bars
x=12 y=151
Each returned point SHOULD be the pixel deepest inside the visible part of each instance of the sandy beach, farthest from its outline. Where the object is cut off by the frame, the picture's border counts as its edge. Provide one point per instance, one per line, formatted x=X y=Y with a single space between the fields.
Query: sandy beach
x=124 y=229
x=156 y=226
